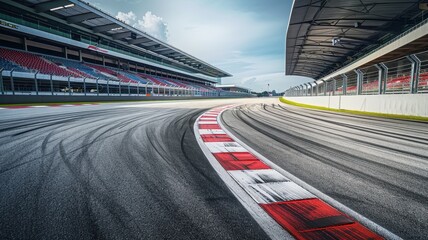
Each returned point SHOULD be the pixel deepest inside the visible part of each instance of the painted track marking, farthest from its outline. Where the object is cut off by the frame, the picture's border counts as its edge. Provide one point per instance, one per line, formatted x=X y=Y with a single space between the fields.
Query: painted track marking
x=294 y=205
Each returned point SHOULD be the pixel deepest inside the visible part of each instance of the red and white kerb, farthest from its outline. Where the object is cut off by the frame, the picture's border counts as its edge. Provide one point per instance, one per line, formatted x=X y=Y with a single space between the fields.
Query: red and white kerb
x=298 y=211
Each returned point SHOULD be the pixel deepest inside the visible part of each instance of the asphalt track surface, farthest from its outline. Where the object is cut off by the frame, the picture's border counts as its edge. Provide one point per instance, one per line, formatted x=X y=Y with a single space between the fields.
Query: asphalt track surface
x=116 y=171
x=377 y=167
x=135 y=171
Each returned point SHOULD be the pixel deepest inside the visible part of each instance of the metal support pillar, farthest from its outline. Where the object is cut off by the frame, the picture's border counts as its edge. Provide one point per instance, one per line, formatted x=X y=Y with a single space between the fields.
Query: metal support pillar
x=25 y=44
x=384 y=77
x=84 y=86
x=325 y=87
x=120 y=88
x=412 y=73
x=1 y=81
x=138 y=89
x=12 y=84
x=359 y=81
x=80 y=56
x=344 y=83
x=379 y=78
x=414 y=81
x=36 y=84
x=316 y=88
x=98 y=89
x=51 y=82
x=69 y=85
x=334 y=86
x=129 y=88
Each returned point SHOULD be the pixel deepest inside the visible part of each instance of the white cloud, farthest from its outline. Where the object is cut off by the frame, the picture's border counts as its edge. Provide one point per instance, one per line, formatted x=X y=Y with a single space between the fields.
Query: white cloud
x=150 y=24
x=154 y=26
x=232 y=39
x=126 y=17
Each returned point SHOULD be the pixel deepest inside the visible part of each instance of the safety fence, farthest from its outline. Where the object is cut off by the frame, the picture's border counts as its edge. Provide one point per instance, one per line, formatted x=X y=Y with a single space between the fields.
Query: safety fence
x=408 y=74
x=24 y=83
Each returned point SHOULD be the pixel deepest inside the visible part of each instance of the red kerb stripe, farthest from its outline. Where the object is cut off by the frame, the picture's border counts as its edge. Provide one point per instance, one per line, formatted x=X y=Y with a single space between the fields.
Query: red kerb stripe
x=209 y=126
x=243 y=165
x=216 y=138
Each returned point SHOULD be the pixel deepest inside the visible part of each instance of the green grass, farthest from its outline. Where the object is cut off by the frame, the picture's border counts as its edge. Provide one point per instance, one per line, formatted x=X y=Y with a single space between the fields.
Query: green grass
x=373 y=114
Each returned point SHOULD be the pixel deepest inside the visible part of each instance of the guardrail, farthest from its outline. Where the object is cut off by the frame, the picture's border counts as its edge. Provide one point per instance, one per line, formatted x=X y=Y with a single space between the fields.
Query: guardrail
x=25 y=83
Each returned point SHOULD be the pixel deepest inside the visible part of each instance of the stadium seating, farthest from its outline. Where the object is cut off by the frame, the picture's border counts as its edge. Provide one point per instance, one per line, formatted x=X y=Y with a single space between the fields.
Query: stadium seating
x=34 y=62
x=28 y=62
x=133 y=77
x=112 y=74
x=76 y=66
x=106 y=72
x=152 y=79
x=398 y=83
x=423 y=79
x=7 y=65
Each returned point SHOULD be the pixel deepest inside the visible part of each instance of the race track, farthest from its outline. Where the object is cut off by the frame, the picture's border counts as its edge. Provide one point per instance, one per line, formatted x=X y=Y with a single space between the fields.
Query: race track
x=135 y=170
x=116 y=171
x=377 y=167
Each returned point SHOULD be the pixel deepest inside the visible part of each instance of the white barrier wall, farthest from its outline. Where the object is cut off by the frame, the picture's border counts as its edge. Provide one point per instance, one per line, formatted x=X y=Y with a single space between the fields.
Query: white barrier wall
x=403 y=104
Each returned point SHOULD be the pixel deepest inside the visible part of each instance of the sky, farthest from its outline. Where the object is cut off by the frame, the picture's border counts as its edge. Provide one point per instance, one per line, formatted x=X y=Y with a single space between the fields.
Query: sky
x=243 y=37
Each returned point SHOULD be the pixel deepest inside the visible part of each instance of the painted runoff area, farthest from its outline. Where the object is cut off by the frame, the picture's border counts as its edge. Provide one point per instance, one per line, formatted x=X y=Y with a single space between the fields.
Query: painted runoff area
x=284 y=206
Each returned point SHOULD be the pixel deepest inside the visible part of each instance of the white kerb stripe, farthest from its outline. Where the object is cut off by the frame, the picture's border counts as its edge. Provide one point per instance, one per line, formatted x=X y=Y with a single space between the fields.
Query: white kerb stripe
x=208 y=122
x=277 y=192
x=211 y=131
x=245 y=177
x=220 y=147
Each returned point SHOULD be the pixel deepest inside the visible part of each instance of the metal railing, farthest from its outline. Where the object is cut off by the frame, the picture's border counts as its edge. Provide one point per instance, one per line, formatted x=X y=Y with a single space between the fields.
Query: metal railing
x=408 y=74
x=30 y=83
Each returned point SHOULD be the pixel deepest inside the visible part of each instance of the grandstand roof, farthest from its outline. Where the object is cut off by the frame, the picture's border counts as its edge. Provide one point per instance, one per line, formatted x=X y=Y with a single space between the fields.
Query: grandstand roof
x=357 y=26
x=80 y=13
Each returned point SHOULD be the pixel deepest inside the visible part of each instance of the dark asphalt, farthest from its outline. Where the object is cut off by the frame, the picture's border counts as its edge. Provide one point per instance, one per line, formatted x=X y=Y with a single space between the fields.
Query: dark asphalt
x=113 y=172
x=377 y=167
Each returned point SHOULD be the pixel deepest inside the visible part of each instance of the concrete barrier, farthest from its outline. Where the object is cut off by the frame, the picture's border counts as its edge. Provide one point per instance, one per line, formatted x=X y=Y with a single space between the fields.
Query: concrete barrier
x=402 y=104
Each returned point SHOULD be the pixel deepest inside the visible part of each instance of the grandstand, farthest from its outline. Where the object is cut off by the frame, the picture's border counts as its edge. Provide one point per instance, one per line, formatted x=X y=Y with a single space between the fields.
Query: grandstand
x=233 y=88
x=358 y=48
x=71 y=48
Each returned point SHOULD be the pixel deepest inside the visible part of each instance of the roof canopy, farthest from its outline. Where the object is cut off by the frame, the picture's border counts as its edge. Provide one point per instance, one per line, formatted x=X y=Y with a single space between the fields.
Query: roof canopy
x=79 y=13
x=326 y=35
